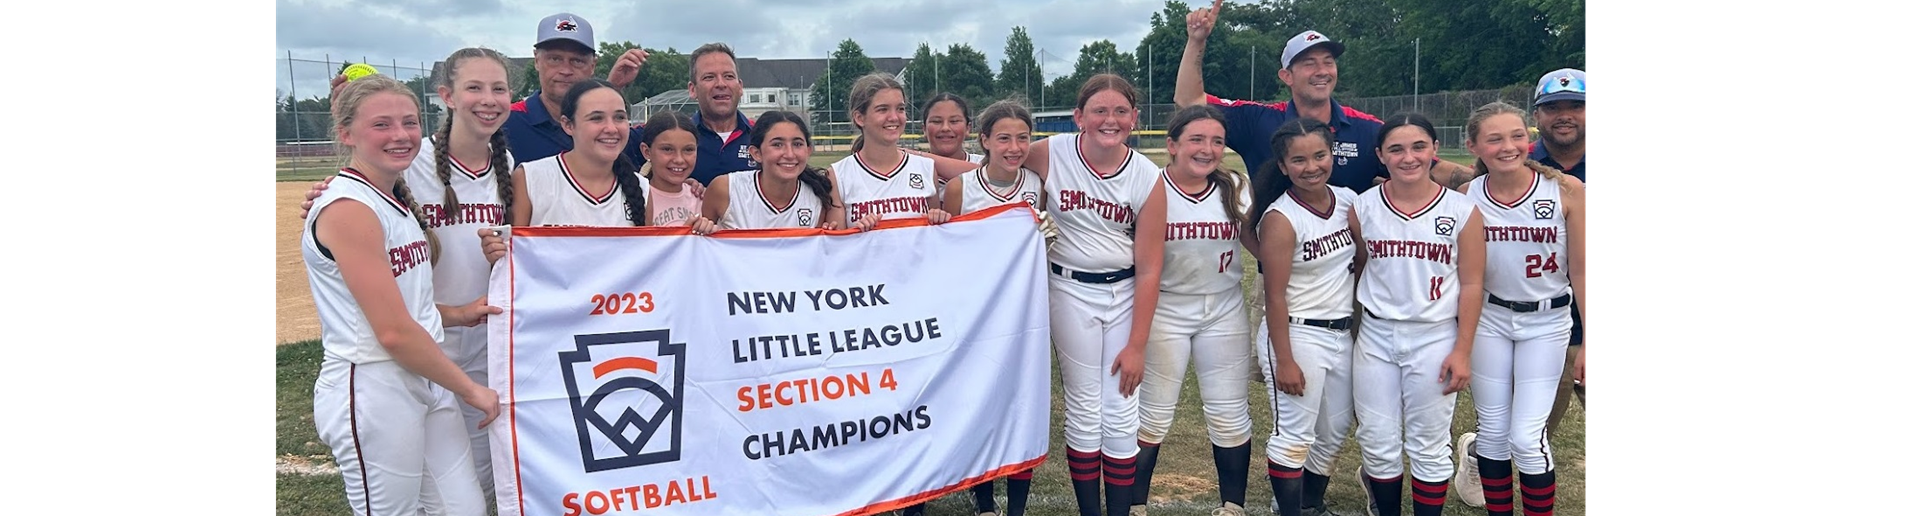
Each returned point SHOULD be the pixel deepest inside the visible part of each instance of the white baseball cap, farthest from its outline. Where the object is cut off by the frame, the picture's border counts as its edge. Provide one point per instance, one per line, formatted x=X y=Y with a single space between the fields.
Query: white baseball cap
x=1309 y=39
x=1562 y=84
x=565 y=26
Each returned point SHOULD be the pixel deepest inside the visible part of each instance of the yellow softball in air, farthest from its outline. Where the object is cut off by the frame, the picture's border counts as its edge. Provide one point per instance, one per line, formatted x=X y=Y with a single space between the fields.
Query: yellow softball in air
x=357 y=70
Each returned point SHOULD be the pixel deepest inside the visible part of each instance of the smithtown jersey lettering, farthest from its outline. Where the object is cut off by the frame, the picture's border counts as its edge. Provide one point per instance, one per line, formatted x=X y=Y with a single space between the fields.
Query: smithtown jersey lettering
x=1202 y=230
x=1319 y=247
x=489 y=214
x=1522 y=234
x=1442 y=253
x=1071 y=200
x=408 y=256
x=886 y=206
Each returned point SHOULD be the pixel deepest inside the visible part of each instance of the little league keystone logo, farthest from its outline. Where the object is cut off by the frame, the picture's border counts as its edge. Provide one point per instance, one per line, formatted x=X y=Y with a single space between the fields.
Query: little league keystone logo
x=625 y=391
x=806 y=216
x=1543 y=209
x=1443 y=226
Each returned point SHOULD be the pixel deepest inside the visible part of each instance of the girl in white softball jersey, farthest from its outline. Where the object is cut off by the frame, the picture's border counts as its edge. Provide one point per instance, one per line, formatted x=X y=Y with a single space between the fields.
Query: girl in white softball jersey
x=880 y=181
x=1110 y=209
x=785 y=192
x=385 y=398
x=1305 y=238
x=1536 y=256
x=1201 y=317
x=1006 y=130
x=1420 y=295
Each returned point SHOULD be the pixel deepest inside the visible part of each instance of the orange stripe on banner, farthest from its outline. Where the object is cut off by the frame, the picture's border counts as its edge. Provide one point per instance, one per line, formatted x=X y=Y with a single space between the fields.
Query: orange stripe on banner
x=623 y=231
x=902 y=503
x=513 y=417
x=624 y=363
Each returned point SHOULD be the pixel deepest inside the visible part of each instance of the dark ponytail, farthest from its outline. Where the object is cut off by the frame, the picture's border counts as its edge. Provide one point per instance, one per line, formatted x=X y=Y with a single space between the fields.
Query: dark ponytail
x=405 y=196
x=502 y=174
x=442 y=165
x=628 y=176
x=1272 y=181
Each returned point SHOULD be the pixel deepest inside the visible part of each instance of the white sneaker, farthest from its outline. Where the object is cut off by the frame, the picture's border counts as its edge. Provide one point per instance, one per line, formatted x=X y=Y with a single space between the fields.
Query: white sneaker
x=1229 y=509
x=1466 y=478
x=1366 y=490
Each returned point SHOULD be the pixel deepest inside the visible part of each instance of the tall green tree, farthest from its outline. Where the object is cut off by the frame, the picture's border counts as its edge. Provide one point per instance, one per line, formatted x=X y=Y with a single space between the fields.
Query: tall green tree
x=964 y=72
x=1019 y=71
x=664 y=71
x=829 y=93
x=920 y=74
x=1095 y=58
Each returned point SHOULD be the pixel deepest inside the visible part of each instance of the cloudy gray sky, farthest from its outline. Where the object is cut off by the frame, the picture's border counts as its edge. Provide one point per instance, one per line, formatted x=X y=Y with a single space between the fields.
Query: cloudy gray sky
x=422 y=31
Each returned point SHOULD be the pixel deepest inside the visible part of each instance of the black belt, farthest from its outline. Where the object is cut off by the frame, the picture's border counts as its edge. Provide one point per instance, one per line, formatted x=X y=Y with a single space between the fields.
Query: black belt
x=1092 y=277
x=1341 y=324
x=1534 y=306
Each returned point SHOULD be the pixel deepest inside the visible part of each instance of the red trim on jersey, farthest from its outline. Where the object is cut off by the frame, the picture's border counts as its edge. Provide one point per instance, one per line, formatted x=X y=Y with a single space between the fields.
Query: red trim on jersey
x=469 y=170
x=1416 y=213
x=1019 y=180
x=356 y=176
x=520 y=106
x=762 y=194
x=1278 y=106
x=1487 y=188
x=1323 y=216
x=1202 y=196
x=904 y=158
x=1077 y=143
x=595 y=200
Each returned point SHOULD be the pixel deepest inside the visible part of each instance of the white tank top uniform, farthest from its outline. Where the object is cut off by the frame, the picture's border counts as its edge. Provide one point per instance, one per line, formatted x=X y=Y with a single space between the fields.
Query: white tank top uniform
x=1532 y=232
x=1320 y=282
x=1096 y=215
x=979 y=193
x=1412 y=258
x=1201 y=240
x=748 y=208
x=558 y=200
x=460 y=277
x=902 y=192
x=344 y=331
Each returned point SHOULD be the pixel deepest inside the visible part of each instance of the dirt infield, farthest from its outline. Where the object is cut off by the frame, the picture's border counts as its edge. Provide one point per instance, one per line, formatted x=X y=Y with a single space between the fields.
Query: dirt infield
x=296 y=321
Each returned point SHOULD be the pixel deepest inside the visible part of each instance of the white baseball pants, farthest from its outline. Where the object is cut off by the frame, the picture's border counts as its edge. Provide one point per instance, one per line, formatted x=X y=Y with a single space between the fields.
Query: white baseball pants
x=397 y=439
x=1210 y=330
x=1309 y=429
x=1397 y=393
x=1091 y=323
x=1517 y=362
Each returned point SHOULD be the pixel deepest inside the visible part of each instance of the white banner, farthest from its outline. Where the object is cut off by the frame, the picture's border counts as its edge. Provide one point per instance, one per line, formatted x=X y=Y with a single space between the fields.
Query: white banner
x=802 y=372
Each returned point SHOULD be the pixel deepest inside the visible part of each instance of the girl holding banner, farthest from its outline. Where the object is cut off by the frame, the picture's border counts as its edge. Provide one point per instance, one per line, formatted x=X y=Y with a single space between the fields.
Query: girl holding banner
x=1006 y=130
x=785 y=192
x=1110 y=209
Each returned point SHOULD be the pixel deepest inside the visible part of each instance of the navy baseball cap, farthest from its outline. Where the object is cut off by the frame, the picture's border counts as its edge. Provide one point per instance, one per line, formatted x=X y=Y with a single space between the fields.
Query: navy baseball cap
x=565 y=27
x=1309 y=39
x=1562 y=84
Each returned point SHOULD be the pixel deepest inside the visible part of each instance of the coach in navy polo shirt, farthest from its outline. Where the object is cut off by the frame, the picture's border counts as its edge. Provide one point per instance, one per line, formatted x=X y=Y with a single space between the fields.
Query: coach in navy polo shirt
x=1310 y=73
x=563 y=54
x=722 y=135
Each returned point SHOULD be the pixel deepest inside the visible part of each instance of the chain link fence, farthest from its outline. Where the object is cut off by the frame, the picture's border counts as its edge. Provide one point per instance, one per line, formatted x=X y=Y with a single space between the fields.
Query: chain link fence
x=303 y=137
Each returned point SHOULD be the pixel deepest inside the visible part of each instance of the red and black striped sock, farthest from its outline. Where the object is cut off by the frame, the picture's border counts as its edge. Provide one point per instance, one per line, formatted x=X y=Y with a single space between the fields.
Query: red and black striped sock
x=1313 y=490
x=1286 y=487
x=1084 y=469
x=1386 y=494
x=1118 y=477
x=1537 y=493
x=1017 y=487
x=1496 y=478
x=1429 y=497
x=1149 y=452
